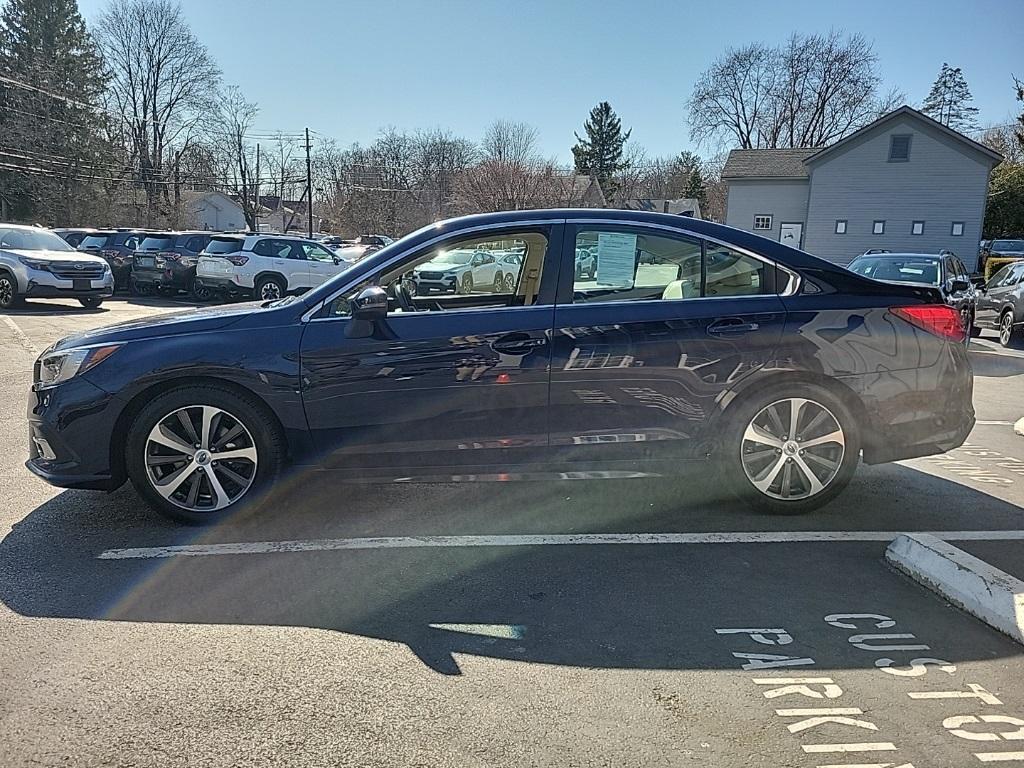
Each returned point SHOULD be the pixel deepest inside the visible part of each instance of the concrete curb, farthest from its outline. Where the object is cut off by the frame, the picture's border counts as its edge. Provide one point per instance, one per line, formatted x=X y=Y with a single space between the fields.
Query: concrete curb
x=989 y=594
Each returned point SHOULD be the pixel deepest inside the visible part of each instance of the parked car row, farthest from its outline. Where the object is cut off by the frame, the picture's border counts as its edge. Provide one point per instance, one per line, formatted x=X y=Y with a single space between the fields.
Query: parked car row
x=91 y=264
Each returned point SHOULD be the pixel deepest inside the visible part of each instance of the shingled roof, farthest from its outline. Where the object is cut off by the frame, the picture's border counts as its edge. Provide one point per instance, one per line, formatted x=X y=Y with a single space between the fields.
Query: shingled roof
x=768 y=163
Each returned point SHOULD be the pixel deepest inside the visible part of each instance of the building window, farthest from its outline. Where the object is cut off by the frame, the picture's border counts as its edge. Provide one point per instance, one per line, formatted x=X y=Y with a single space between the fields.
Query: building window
x=917 y=228
x=840 y=226
x=958 y=229
x=899 y=148
x=763 y=221
x=878 y=228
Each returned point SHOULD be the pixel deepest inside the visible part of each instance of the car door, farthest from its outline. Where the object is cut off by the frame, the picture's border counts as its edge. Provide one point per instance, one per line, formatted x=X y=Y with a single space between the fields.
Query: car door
x=995 y=294
x=484 y=268
x=285 y=257
x=320 y=263
x=643 y=353
x=461 y=382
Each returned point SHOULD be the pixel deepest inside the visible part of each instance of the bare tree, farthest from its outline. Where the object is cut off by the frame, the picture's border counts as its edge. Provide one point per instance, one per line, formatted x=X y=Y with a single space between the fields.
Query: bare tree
x=809 y=92
x=234 y=119
x=162 y=79
x=511 y=174
x=439 y=159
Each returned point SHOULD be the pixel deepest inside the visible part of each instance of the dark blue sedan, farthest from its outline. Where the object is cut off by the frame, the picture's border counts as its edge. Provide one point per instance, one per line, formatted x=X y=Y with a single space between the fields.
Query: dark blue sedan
x=690 y=343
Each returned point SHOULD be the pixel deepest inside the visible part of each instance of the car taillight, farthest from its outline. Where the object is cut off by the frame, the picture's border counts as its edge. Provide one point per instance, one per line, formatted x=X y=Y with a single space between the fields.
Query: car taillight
x=237 y=259
x=942 y=320
x=111 y=253
x=168 y=256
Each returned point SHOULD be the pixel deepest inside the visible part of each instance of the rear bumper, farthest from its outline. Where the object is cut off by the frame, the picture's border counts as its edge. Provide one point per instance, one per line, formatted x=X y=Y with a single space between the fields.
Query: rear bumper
x=221 y=284
x=919 y=412
x=164 y=277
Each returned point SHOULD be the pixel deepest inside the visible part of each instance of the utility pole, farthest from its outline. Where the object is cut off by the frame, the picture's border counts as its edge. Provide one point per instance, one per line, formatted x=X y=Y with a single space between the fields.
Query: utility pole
x=256 y=207
x=309 y=187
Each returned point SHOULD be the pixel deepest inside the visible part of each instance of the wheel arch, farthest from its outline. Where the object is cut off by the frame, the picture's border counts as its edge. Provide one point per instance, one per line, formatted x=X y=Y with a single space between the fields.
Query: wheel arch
x=5 y=270
x=119 y=435
x=270 y=273
x=755 y=385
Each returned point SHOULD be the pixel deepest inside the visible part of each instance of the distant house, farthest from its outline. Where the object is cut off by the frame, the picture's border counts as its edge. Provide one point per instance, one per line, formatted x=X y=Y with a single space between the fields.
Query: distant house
x=213 y=211
x=903 y=183
x=681 y=206
x=282 y=215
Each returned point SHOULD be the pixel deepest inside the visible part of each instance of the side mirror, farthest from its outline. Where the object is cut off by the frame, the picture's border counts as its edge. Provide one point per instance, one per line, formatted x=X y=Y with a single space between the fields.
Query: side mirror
x=368 y=307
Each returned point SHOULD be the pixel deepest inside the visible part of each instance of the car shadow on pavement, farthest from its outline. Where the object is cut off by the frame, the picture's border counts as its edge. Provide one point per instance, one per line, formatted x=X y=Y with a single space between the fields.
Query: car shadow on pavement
x=604 y=606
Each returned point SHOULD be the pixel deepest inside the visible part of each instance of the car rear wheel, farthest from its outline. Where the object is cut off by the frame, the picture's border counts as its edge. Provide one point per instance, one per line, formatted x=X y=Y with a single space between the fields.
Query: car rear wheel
x=90 y=302
x=200 y=292
x=198 y=454
x=269 y=288
x=8 y=292
x=791 y=449
x=1007 y=333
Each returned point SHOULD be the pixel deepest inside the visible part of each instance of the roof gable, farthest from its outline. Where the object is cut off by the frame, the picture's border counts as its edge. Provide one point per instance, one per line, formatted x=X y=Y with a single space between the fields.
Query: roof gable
x=969 y=145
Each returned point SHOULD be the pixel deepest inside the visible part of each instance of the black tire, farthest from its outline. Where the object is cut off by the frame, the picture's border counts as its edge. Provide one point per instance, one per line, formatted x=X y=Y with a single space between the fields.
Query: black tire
x=140 y=289
x=1008 y=334
x=252 y=414
x=465 y=285
x=269 y=288
x=200 y=292
x=498 y=283
x=9 y=298
x=90 y=302
x=736 y=449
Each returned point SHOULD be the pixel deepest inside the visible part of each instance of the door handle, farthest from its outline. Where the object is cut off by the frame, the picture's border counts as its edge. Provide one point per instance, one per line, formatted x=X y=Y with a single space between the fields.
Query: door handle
x=517 y=344
x=731 y=327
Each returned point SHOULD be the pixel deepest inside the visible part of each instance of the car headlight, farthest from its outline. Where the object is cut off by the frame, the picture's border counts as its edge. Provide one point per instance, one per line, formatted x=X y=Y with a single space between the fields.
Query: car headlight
x=41 y=264
x=57 y=367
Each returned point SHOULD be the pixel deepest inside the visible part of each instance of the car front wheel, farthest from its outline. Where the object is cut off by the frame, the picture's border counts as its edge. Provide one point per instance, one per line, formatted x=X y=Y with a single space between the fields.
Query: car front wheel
x=790 y=449
x=8 y=292
x=269 y=289
x=90 y=302
x=1007 y=333
x=198 y=454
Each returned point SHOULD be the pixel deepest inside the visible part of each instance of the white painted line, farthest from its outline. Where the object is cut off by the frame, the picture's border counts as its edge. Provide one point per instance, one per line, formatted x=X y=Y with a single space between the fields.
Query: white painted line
x=995 y=597
x=869 y=746
x=994 y=423
x=533 y=540
x=999 y=757
x=1018 y=427
x=19 y=334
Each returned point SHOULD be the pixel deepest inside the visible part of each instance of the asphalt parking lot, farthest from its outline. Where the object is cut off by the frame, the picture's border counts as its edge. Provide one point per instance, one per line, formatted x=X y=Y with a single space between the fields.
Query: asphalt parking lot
x=513 y=624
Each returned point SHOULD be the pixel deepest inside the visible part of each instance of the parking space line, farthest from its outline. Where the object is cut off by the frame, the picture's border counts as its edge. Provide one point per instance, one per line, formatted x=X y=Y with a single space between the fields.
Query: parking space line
x=20 y=335
x=534 y=540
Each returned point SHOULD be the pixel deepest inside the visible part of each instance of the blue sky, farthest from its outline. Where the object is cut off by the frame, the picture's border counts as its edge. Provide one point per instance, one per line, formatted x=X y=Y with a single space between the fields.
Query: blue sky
x=346 y=69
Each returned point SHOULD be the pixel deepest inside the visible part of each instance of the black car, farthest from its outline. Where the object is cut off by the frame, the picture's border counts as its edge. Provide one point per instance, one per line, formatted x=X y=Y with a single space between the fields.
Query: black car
x=117 y=247
x=781 y=369
x=1001 y=303
x=1000 y=249
x=943 y=271
x=166 y=262
x=73 y=236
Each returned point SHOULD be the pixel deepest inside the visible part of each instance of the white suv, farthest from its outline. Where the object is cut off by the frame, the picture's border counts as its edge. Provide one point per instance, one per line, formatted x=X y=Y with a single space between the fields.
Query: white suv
x=267 y=266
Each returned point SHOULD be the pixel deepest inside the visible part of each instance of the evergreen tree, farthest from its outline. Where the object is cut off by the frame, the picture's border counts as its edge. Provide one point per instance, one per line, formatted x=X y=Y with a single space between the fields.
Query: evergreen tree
x=51 y=127
x=695 y=187
x=949 y=100
x=600 y=153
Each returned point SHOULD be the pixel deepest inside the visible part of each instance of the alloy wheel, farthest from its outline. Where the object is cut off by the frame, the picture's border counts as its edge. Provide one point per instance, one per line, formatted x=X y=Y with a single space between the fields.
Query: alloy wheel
x=1005 y=329
x=6 y=292
x=270 y=290
x=200 y=458
x=792 y=449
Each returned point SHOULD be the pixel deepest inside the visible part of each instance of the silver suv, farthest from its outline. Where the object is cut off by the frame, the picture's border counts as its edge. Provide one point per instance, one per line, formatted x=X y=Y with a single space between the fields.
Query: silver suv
x=36 y=263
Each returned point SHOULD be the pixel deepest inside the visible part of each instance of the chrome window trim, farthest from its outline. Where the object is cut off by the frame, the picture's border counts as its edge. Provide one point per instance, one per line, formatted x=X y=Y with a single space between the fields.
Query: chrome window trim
x=791 y=286
x=307 y=316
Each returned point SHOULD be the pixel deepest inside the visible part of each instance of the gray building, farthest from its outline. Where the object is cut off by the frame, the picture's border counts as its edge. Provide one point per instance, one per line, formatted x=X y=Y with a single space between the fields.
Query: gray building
x=903 y=183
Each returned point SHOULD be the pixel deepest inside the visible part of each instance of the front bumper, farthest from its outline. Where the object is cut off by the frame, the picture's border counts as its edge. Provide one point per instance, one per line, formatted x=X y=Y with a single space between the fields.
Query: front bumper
x=40 y=284
x=440 y=285
x=70 y=429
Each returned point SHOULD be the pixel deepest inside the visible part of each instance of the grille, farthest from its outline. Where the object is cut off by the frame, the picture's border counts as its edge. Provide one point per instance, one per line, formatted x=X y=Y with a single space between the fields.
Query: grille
x=431 y=275
x=69 y=270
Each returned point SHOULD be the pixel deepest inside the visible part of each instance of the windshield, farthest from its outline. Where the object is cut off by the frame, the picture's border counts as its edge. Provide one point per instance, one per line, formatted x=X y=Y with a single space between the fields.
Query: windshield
x=1008 y=245
x=94 y=241
x=223 y=245
x=908 y=270
x=156 y=243
x=33 y=240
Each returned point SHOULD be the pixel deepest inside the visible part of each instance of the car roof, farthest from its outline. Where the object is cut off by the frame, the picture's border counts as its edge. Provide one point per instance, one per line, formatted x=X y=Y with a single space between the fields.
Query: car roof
x=904 y=255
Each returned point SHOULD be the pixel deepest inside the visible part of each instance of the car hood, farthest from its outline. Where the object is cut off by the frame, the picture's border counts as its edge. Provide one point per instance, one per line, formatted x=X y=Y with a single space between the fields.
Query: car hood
x=170 y=324
x=440 y=266
x=85 y=258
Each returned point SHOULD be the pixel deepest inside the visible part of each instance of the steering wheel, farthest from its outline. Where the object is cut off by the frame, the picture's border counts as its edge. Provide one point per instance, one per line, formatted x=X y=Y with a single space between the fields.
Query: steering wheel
x=402 y=296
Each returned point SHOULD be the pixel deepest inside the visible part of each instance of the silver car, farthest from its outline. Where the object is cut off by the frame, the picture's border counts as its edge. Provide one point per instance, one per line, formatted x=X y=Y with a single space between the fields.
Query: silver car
x=36 y=263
